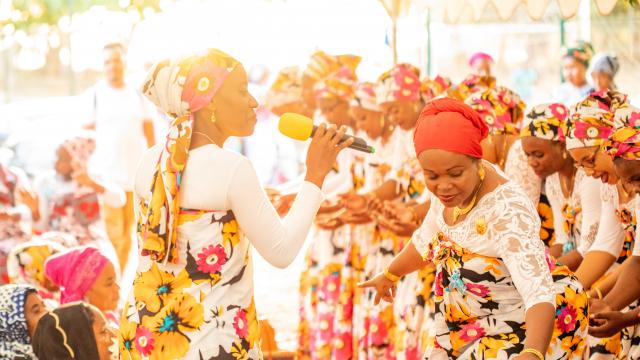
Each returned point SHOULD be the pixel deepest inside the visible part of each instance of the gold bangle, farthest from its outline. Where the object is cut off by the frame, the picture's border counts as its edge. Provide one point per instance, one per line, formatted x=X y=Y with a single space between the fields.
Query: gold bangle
x=533 y=351
x=391 y=277
x=598 y=292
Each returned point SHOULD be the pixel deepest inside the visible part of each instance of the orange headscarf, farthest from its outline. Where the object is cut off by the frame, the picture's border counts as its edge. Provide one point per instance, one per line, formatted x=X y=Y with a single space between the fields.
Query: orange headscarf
x=451 y=125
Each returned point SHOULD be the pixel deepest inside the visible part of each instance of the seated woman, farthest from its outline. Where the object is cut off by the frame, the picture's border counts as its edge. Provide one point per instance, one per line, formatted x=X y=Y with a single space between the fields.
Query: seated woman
x=495 y=297
x=603 y=70
x=502 y=110
x=85 y=273
x=25 y=264
x=20 y=310
x=15 y=213
x=574 y=197
x=74 y=331
x=617 y=312
x=69 y=198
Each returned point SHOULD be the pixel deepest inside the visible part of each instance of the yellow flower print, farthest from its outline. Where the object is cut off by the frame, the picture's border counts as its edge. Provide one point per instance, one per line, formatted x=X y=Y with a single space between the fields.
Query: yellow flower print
x=127 y=340
x=542 y=127
x=155 y=287
x=456 y=313
x=35 y=268
x=230 y=233
x=574 y=346
x=489 y=347
x=238 y=352
x=180 y=315
x=253 y=336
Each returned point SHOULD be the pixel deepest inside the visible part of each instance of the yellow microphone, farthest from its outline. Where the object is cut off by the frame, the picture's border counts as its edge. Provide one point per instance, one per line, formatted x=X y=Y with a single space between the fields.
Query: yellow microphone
x=300 y=127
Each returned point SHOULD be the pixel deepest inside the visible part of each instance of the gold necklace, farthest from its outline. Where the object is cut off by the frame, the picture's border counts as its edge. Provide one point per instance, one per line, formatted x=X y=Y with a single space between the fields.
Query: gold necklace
x=569 y=188
x=205 y=135
x=457 y=212
x=624 y=191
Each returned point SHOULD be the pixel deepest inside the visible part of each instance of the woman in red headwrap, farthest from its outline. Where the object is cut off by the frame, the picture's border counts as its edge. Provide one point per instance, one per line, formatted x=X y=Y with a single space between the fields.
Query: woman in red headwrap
x=495 y=296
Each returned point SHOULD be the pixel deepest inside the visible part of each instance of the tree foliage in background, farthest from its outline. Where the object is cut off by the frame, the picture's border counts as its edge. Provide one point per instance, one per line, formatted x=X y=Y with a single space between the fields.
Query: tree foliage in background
x=50 y=11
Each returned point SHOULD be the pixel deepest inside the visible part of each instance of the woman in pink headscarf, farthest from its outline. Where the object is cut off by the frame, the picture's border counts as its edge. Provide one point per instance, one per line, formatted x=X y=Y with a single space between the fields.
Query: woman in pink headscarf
x=85 y=274
x=70 y=197
x=481 y=63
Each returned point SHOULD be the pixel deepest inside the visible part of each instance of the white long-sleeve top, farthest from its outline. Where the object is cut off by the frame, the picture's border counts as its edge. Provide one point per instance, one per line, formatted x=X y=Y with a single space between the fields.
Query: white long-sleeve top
x=218 y=179
x=518 y=170
x=586 y=198
x=610 y=237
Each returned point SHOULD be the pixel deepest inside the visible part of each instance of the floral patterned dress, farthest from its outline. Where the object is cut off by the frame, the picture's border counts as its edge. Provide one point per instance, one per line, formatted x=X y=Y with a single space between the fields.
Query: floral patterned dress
x=326 y=299
x=396 y=331
x=490 y=268
x=623 y=345
x=174 y=309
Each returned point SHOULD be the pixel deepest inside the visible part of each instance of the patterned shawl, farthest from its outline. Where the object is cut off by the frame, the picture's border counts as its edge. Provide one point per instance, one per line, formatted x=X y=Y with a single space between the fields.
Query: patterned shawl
x=178 y=87
x=15 y=342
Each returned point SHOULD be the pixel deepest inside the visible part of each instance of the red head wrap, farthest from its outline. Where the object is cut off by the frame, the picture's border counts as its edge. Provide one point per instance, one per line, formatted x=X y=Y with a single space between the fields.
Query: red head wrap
x=451 y=125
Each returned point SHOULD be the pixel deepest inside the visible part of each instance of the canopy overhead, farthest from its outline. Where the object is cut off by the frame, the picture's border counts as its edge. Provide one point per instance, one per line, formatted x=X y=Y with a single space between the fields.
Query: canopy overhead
x=451 y=10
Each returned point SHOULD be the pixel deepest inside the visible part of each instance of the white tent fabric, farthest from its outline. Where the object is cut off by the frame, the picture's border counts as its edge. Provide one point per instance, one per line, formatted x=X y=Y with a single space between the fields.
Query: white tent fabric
x=451 y=10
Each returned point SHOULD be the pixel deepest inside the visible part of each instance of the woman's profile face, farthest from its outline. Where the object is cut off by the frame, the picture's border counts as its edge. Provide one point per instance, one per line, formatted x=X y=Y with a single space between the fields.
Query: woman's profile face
x=63 y=163
x=596 y=163
x=336 y=112
x=234 y=106
x=368 y=121
x=105 y=292
x=601 y=80
x=400 y=113
x=574 y=71
x=629 y=173
x=543 y=156
x=34 y=309
x=103 y=334
x=482 y=67
x=452 y=177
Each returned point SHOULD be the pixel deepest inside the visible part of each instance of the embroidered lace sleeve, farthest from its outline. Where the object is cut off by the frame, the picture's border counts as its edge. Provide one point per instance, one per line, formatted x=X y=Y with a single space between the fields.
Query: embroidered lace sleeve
x=515 y=233
x=421 y=238
x=519 y=171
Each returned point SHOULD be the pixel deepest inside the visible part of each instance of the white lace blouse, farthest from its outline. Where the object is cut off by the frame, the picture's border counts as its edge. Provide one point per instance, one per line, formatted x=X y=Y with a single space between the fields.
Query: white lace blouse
x=512 y=234
x=518 y=170
x=585 y=197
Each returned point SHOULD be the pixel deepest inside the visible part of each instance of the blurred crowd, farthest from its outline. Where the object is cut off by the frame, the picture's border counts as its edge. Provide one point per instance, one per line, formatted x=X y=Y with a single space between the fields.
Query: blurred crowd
x=66 y=236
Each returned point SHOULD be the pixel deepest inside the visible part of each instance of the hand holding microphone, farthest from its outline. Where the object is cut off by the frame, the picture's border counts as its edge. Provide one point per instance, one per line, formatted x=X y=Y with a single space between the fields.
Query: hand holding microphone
x=300 y=127
x=324 y=148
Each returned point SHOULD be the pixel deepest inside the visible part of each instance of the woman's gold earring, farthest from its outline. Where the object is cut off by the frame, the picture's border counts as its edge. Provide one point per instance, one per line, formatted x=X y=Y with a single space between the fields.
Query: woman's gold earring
x=213 y=117
x=564 y=155
x=481 y=172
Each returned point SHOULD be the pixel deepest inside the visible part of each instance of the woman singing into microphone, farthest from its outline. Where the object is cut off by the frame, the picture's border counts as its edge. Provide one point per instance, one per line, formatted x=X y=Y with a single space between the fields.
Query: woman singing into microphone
x=495 y=297
x=200 y=208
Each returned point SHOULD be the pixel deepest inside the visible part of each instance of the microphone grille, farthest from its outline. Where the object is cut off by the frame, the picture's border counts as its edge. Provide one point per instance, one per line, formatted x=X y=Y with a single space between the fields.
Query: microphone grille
x=295 y=126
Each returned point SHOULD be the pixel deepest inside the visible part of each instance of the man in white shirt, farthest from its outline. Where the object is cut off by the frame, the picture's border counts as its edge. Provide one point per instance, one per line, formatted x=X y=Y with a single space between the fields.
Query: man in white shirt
x=124 y=130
